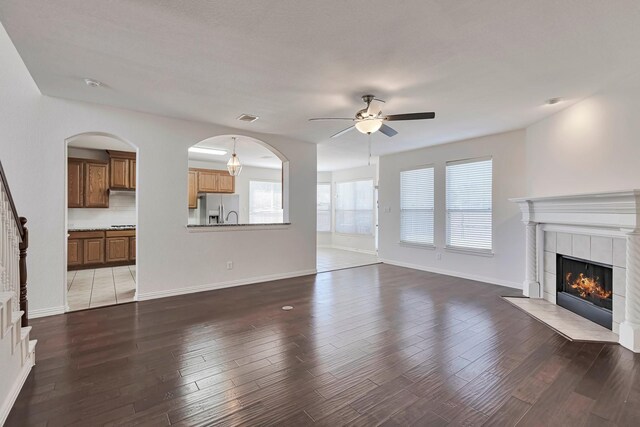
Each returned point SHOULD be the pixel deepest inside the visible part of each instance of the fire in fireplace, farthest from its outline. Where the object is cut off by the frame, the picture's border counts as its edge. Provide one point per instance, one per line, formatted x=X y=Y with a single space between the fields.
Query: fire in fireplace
x=586 y=288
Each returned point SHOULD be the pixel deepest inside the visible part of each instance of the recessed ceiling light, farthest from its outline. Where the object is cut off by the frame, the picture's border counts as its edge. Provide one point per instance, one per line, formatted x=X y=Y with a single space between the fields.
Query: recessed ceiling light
x=250 y=118
x=553 y=101
x=93 y=83
x=210 y=151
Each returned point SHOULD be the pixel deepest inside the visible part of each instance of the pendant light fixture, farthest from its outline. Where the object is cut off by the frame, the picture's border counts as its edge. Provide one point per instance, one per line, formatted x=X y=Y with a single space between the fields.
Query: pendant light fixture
x=233 y=165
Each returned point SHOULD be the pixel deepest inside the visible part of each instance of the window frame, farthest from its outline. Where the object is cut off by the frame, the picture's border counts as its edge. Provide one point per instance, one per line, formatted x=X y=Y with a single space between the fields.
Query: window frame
x=331 y=226
x=373 y=208
x=464 y=249
x=416 y=244
x=271 y=181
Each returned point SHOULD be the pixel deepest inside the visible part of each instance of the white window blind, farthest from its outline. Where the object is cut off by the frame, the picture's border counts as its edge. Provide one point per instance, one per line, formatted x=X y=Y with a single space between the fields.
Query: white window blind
x=416 y=206
x=469 y=208
x=354 y=207
x=265 y=202
x=324 y=207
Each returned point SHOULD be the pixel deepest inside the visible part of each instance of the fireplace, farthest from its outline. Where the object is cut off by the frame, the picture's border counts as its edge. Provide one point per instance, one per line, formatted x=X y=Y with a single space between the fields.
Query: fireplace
x=586 y=288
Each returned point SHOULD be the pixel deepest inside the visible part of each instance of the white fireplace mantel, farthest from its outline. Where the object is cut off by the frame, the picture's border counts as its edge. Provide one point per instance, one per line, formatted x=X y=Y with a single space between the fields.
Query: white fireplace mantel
x=617 y=211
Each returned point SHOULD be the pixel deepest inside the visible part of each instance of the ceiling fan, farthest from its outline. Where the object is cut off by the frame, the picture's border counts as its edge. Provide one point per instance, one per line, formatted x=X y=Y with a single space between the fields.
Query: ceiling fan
x=370 y=119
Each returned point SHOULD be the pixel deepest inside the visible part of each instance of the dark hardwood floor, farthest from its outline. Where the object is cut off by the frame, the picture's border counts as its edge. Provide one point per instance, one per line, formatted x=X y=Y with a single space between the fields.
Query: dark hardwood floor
x=364 y=346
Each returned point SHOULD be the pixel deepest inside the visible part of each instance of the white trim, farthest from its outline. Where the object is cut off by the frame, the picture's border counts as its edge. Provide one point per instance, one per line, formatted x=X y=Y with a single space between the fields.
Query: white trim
x=585 y=230
x=5 y=409
x=362 y=251
x=490 y=280
x=44 y=312
x=417 y=245
x=221 y=285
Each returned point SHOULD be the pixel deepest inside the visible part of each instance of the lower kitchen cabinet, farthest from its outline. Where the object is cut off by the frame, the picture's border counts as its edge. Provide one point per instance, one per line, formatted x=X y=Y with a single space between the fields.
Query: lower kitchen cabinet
x=117 y=249
x=75 y=254
x=95 y=249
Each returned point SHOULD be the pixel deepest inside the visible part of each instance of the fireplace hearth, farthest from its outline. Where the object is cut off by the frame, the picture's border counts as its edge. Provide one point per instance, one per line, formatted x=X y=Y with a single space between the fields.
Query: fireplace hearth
x=586 y=288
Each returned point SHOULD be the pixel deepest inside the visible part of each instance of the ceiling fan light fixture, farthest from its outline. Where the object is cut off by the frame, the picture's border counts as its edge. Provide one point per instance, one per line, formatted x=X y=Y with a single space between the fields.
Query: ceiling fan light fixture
x=233 y=165
x=369 y=126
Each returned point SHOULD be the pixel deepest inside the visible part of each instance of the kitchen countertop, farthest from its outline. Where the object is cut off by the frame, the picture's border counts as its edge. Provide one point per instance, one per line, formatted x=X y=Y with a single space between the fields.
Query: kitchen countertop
x=226 y=224
x=102 y=229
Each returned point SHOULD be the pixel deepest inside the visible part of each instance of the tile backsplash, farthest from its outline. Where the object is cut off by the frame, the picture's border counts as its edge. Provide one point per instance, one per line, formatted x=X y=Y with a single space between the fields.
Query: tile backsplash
x=121 y=211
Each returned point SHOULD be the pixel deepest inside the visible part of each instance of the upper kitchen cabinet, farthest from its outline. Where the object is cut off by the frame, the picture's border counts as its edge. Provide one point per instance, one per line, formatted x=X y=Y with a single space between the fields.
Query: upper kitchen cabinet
x=75 y=183
x=193 y=190
x=96 y=184
x=123 y=170
x=213 y=181
x=87 y=183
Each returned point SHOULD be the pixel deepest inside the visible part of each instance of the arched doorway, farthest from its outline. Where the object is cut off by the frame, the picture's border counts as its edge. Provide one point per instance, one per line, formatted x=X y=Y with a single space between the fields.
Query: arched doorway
x=101 y=221
x=259 y=194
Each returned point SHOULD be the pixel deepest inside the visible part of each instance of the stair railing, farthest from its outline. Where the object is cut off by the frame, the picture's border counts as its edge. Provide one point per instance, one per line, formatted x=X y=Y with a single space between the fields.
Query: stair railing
x=14 y=242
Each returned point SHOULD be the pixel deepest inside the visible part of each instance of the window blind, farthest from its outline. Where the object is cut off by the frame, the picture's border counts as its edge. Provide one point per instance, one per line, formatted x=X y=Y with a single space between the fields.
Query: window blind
x=324 y=207
x=416 y=206
x=354 y=207
x=469 y=204
x=265 y=202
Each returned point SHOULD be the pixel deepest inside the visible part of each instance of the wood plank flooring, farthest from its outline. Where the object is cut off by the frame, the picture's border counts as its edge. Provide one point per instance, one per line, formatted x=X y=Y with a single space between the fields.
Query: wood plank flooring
x=375 y=345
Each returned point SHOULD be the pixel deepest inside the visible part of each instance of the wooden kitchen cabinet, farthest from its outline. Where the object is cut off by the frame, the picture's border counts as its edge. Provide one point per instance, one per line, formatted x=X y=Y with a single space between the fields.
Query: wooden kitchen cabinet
x=117 y=249
x=96 y=184
x=94 y=251
x=226 y=182
x=75 y=183
x=132 y=248
x=212 y=181
x=132 y=174
x=75 y=255
x=122 y=170
x=193 y=190
x=207 y=181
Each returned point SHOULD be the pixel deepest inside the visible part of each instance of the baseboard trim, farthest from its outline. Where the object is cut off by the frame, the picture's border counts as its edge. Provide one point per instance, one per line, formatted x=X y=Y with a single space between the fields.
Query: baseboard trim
x=221 y=285
x=475 y=277
x=346 y=248
x=5 y=409
x=44 y=312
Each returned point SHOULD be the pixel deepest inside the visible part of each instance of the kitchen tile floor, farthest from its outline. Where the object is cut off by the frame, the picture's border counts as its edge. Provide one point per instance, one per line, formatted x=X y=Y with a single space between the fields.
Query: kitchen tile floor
x=101 y=286
x=329 y=259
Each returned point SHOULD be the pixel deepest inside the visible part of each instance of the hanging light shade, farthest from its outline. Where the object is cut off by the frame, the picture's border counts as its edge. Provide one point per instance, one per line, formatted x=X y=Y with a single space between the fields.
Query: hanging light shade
x=369 y=126
x=233 y=165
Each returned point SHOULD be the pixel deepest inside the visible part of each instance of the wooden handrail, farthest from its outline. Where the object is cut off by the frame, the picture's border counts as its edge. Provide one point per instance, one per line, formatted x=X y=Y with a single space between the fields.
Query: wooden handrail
x=23 y=246
x=5 y=184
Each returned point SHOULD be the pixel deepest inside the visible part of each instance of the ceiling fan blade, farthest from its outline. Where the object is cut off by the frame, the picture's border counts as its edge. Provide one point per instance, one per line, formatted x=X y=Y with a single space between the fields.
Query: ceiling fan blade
x=411 y=116
x=331 y=118
x=388 y=130
x=342 y=132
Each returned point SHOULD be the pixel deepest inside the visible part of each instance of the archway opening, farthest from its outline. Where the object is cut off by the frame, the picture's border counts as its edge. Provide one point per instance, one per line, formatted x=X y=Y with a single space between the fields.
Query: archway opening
x=217 y=195
x=101 y=221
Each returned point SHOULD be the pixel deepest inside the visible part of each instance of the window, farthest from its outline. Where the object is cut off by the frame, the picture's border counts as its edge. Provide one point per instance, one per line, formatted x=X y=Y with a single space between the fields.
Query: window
x=265 y=202
x=469 y=187
x=324 y=207
x=354 y=207
x=416 y=206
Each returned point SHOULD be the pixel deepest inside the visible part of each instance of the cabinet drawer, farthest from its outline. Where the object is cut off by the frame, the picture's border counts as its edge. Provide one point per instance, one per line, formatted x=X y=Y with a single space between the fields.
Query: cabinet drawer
x=85 y=234
x=121 y=233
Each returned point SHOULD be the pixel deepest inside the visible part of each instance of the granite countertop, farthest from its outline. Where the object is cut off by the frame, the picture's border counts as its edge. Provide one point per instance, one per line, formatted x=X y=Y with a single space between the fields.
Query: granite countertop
x=226 y=224
x=103 y=229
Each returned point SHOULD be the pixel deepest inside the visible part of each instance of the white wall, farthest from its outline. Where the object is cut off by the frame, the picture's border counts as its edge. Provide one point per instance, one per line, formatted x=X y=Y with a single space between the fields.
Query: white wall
x=33 y=129
x=592 y=146
x=121 y=211
x=249 y=173
x=506 y=266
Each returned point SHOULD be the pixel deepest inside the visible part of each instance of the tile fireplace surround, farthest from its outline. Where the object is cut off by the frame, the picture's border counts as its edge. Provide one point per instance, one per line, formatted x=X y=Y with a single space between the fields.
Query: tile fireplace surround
x=598 y=227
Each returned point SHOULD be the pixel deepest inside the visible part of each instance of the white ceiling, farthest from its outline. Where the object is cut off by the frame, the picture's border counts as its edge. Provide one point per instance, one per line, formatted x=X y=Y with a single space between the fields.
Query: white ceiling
x=99 y=142
x=482 y=66
x=249 y=151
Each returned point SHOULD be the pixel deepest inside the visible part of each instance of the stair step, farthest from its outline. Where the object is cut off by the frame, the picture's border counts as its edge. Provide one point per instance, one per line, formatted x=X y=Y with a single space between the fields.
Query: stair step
x=4 y=297
x=16 y=316
x=24 y=332
x=32 y=345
